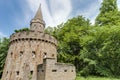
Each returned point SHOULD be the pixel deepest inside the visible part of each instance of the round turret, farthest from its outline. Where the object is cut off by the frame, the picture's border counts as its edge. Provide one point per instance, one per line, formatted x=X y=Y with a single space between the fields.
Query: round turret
x=27 y=50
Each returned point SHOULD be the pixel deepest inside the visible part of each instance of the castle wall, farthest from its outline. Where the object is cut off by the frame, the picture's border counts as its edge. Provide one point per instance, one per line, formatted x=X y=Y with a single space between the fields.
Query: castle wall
x=32 y=55
x=41 y=72
x=57 y=71
x=25 y=53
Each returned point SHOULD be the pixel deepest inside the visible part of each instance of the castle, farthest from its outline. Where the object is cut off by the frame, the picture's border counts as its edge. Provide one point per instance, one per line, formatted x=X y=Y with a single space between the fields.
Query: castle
x=32 y=55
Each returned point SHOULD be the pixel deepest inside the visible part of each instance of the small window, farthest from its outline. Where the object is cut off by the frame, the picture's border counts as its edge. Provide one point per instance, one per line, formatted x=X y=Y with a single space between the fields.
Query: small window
x=38 y=70
x=53 y=55
x=33 y=54
x=11 y=54
x=7 y=72
x=45 y=54
x=54 y=70
x=65 y=70
x=72 y=71
x=21 y=53
x=17 y=72
x=31 y=72
x=42 y=70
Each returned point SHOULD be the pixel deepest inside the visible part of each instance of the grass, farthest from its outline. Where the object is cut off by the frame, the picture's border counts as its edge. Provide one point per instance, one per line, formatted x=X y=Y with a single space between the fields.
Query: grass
x=95 y=78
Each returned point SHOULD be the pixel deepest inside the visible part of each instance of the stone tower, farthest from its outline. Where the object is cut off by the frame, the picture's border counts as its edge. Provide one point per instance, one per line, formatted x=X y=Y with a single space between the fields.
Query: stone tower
x=27 y=50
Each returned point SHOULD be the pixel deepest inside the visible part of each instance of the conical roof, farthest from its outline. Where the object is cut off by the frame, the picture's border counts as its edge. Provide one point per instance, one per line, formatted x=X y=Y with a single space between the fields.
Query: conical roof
x=39 y=14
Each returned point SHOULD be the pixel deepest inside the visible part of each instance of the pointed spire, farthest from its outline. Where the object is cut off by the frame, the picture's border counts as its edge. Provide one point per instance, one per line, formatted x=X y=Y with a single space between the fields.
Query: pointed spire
x=37 y=23
x=39 y=13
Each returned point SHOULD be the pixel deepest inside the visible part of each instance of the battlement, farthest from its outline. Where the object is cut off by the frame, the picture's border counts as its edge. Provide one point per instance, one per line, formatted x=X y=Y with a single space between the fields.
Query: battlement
x=32 y=35
x=63 y=64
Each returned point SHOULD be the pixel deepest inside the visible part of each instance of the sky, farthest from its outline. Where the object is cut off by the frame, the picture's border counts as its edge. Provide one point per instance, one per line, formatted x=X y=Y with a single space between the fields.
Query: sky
x=16 y=14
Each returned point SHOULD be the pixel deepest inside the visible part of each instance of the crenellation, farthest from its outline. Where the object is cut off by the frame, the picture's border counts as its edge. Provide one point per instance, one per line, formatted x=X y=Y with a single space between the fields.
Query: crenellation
x=32 y=36
x=64 y=64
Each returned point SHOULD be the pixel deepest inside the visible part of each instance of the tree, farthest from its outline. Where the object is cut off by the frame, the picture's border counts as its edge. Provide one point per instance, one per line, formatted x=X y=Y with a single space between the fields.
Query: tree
x=101 y=51
x=69 y=37
x=4 y=44
x=109 y=14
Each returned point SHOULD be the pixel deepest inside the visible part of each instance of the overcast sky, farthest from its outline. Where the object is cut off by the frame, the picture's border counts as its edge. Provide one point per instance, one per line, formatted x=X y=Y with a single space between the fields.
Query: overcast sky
x=16 y=14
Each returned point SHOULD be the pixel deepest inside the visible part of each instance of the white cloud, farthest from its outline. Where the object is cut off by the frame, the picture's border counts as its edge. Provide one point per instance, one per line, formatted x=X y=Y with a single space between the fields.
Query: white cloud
x=2 y=35
x=90 y=12
x=60 y=10
x=100 y=1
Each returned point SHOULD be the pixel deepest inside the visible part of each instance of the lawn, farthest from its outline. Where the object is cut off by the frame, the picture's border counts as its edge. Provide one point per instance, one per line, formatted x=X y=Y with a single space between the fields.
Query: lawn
x=95 y=78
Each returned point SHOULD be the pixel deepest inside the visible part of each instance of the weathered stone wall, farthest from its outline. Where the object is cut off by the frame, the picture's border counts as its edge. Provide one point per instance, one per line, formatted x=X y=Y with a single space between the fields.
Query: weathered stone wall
x=25 y=53
x=41 y=72
x=57 y=71
x=37 y=25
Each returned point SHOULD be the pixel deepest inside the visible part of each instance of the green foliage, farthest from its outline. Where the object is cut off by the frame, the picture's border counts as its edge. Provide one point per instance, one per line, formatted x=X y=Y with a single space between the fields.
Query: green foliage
x=69 y=36
x=23 y=29
x=109 y=14
x=93 y=50
x=95 y=78
x=108 y=5
x=4 y=43
x=103 y=50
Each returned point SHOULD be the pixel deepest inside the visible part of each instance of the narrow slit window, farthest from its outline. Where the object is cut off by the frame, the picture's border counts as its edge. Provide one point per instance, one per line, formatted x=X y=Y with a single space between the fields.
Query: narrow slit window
x=54 y=70
x=31 y=72
x=38 y=70
x=17 y=72
x=11 y=54
x=7 y=72
x=53 y=55
x=42 y=70
x=65 y=70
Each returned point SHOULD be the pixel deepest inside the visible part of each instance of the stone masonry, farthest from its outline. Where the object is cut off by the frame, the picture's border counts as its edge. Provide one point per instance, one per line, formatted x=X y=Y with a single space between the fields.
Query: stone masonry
x=32 y=55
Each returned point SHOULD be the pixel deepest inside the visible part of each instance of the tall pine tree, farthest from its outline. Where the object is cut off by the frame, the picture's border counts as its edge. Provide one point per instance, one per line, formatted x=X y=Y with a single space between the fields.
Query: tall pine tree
x=109 y=14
